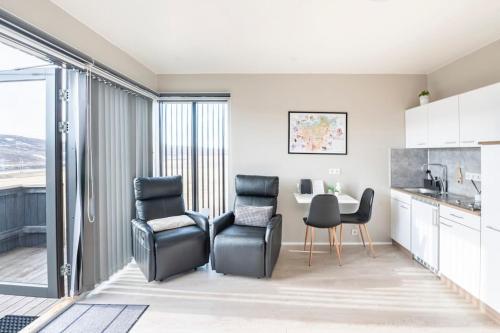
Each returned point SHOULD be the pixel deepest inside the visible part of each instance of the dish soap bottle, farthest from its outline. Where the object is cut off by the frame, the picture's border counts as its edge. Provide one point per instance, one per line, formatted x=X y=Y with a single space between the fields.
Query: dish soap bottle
x=338 y=188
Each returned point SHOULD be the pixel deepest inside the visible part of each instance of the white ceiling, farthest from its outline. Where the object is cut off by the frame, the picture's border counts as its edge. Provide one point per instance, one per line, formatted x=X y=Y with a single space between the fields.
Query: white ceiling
x=292 y=36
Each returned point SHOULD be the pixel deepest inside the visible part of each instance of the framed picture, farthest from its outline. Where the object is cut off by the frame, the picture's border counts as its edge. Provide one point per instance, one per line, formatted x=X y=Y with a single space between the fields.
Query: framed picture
x=317 y=133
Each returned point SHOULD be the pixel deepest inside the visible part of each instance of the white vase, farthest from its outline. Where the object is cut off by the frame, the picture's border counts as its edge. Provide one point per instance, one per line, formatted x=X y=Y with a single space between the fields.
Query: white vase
x=424 y=99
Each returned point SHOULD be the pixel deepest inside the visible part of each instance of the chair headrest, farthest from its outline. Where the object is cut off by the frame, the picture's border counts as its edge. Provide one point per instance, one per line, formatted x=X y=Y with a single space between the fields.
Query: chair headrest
x=259 y=186
x=157 y=187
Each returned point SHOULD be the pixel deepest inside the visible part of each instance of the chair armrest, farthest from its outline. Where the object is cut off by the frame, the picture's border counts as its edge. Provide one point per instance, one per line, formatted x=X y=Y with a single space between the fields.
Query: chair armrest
x=273 y=243
x=200 y=219
x=218 y=224
x=143 y=248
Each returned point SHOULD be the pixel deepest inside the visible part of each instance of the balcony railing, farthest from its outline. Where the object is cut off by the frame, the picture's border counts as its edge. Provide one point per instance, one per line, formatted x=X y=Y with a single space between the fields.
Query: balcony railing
x=22 y=217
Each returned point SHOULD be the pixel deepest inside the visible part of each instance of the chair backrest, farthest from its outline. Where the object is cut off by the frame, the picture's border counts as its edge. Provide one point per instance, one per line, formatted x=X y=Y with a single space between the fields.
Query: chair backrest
x=256 y=191
x=158 y=197
x=324 y=211
x=366 y=204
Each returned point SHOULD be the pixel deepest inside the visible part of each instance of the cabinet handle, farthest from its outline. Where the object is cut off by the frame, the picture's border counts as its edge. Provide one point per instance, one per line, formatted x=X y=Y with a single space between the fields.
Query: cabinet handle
x=457 y=216
x=450 y=142
x=492 y=228
x=421 y=144
x=404 y=207
x=446 y=224
x=468 y=141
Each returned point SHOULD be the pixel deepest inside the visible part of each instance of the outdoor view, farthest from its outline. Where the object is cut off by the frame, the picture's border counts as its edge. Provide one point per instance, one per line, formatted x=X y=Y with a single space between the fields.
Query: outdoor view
x=23 y=254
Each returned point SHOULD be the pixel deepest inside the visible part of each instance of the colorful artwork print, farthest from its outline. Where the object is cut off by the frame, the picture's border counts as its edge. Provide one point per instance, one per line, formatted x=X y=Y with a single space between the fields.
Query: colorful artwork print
x=317 y=132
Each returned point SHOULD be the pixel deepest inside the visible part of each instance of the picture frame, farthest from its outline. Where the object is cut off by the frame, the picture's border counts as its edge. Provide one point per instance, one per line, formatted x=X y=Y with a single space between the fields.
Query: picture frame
x=317 y=133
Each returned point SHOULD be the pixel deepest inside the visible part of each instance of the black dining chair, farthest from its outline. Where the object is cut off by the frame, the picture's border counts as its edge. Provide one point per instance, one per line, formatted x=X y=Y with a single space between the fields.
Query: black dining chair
x=361 y=217
x=324 y=213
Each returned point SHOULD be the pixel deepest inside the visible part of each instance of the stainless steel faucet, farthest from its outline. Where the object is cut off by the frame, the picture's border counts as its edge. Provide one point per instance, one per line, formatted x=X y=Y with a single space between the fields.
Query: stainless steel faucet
x=444 y=175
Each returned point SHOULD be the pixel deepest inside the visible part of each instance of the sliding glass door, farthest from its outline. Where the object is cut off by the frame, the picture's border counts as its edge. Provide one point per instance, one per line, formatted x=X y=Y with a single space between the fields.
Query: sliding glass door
x=30 y=173
x=193 y=143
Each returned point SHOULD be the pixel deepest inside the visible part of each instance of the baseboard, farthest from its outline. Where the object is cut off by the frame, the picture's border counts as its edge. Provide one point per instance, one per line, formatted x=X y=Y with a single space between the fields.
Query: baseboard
x=327 y=244
x=495 y=316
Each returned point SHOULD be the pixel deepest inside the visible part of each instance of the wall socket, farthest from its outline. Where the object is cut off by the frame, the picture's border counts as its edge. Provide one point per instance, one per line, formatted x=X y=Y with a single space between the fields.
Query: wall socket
x=354 y=232
x=473 y=176
x=334 y=171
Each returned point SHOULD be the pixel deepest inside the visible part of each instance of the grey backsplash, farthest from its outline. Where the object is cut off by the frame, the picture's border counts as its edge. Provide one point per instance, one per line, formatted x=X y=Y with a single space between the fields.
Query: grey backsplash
x=406 y=167
x=468 y=159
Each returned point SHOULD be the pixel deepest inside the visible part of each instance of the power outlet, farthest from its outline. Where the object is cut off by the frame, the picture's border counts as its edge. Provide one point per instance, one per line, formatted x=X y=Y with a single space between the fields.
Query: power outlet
x=334 y=171
x=354 y=232
x=473 y=176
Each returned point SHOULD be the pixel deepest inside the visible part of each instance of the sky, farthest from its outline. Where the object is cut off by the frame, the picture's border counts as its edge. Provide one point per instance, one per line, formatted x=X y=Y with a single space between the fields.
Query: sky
x=22 y=103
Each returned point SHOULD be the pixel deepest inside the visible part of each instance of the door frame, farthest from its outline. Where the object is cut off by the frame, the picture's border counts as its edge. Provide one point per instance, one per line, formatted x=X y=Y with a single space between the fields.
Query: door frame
x=54 y=186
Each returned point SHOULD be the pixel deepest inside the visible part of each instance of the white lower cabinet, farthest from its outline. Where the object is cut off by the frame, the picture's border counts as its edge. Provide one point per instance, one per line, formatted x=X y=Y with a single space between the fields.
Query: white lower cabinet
x=460 y=254
x=490 y=273
x=401 y=223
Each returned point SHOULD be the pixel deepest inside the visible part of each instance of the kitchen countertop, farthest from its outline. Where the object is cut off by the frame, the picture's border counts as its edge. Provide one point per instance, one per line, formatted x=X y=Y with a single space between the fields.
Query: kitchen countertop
x=448 y=200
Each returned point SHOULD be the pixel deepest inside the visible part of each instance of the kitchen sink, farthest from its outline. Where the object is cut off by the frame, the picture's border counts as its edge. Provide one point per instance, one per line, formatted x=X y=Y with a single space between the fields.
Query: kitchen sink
x=421 y=190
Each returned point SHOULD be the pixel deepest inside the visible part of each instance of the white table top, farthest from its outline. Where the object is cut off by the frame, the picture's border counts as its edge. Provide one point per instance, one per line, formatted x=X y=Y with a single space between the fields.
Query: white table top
x=344 y=199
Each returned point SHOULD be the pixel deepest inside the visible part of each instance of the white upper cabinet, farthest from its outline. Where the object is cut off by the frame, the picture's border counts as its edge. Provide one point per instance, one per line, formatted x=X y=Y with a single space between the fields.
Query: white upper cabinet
x=480 y=115
x=416 y=120
x=444 y=123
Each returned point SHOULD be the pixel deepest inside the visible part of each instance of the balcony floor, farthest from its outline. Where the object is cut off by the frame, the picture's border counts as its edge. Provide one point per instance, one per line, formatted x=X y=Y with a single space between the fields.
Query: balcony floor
x=24 y=265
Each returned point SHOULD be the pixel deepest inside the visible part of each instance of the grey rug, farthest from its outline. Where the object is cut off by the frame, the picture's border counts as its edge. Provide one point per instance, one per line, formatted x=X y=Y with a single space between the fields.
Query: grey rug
x=96 y=318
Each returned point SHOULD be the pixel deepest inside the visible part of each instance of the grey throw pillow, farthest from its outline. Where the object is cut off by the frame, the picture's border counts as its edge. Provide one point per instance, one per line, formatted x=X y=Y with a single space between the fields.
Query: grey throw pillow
x=253 y=216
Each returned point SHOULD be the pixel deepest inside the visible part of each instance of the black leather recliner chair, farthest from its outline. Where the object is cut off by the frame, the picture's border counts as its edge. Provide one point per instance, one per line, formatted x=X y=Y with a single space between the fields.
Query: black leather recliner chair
x=248 y=250
x=166 y=253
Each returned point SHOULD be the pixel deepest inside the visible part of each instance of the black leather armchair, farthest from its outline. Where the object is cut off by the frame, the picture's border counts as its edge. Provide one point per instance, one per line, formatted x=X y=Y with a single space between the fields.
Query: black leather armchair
x=166 y=253
x=248 y=250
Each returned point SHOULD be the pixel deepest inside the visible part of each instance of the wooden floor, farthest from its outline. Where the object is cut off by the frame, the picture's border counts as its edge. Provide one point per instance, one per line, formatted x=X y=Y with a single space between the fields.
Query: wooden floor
x=27 y=306
x=389 y=293
x=24 y=265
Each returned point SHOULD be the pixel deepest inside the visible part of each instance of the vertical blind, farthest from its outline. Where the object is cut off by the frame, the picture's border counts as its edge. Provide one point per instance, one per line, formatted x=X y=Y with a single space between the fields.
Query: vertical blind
x=193 y=144
x=120 y=151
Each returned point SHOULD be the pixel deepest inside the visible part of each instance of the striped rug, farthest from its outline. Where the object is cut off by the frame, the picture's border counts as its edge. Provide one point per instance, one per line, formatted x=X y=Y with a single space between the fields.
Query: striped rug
x=96 y=318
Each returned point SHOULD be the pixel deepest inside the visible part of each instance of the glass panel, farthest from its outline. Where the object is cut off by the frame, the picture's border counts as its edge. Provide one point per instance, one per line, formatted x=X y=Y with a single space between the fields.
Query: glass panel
x=23 y=119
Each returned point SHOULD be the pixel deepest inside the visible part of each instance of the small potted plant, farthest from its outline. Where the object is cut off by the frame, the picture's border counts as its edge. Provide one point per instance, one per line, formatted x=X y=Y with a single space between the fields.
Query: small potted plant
x=424 y=97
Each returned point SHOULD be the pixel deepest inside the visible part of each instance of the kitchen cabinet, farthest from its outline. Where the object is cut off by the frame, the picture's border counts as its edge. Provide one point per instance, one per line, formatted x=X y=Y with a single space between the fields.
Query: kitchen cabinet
x=479 y=112
x=425 y=233
x=490 y=226
x=401 y=222
x=444 y=123
x=416 y=121
x=460 y=255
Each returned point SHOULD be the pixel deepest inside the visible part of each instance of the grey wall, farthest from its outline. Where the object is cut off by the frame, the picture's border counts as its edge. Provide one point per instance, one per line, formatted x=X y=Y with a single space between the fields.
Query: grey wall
x=259 y=131
x=468 y=159
x=477 y=69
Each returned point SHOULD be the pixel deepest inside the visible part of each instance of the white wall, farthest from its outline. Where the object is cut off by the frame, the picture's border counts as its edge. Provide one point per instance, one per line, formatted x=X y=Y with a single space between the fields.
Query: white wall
x=258 y=126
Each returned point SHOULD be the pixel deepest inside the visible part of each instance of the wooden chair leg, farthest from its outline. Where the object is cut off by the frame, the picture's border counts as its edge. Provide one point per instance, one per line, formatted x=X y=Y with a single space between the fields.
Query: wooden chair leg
x=341 y=236
x=369 y=240
x=305 y=239
x=337 y=247
x=361 y=234
x=311 y=245
x=330 y=239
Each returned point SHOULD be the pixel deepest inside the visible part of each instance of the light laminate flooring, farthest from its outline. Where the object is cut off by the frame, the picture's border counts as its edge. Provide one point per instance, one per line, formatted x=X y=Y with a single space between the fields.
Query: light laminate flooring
x=389 y=293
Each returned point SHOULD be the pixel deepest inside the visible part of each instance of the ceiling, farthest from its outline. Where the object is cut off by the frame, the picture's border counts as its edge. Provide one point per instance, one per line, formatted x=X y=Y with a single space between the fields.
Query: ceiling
x=292 y=36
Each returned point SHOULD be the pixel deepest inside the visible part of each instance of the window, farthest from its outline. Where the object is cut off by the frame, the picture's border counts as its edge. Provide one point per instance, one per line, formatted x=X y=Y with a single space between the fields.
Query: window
x=193 y=143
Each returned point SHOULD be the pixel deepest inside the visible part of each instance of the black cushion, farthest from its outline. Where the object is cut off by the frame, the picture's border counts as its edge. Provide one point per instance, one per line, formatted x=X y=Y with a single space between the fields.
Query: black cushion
x=256 y=191
x=158 y=197
x=157 y=187
x=180 y=249
x=259 y=186
x=353 y=219
x=240 y=250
